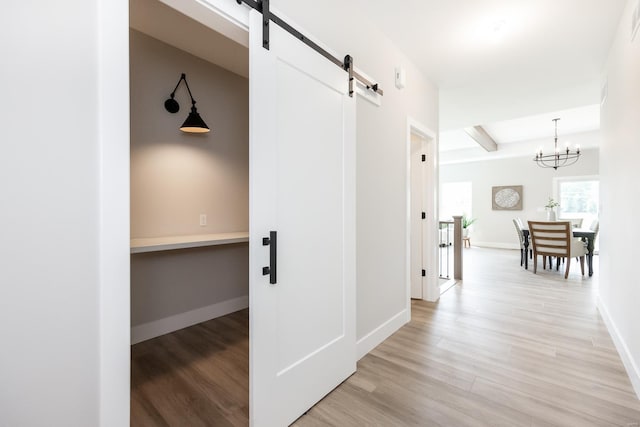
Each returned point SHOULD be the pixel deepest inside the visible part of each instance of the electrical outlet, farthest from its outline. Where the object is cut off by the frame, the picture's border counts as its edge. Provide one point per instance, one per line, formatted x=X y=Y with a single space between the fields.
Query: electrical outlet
x=203 y=220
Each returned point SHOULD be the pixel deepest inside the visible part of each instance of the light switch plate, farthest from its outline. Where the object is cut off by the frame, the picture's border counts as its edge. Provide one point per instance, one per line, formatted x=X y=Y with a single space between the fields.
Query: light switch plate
x=401 y=77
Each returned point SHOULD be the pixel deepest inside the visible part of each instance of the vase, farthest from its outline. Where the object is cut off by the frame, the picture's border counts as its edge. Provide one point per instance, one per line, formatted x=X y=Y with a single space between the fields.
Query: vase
x=465 y=233
x=551 y=215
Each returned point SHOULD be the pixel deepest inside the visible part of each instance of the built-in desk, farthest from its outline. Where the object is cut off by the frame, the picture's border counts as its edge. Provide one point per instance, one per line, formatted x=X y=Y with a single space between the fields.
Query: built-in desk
x=211 y=283
x=156 y=244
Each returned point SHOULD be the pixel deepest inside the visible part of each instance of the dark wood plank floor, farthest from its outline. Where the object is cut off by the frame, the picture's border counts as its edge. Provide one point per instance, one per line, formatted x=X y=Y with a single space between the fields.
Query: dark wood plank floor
x=198 y=376
x=504 y=348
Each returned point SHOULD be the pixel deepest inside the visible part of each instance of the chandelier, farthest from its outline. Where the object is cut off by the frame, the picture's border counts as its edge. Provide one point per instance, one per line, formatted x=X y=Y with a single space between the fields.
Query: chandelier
x=558 y=158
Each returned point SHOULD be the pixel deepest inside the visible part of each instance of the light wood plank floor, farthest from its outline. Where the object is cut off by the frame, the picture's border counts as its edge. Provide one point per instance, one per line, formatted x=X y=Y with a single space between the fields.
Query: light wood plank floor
x=505 y=348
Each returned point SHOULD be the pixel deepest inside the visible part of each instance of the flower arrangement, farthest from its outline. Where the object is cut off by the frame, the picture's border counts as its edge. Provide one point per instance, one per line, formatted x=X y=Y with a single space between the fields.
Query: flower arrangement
x=551 y=204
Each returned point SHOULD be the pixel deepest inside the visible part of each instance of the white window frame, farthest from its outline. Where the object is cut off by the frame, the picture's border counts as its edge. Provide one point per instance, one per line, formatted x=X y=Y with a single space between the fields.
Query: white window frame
x=559 y=180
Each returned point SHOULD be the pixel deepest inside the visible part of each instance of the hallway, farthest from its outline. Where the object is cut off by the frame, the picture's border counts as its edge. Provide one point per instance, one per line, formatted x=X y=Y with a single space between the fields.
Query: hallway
x=506 y=347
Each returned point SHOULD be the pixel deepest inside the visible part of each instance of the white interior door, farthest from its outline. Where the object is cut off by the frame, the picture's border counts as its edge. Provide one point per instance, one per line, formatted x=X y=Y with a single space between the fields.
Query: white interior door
x=302 y=185
x=417 y=184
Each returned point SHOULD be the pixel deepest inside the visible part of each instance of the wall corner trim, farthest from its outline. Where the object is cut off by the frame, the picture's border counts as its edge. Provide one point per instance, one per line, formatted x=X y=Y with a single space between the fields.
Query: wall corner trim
x=627 y=358
x=370 y=341
x=169 y=324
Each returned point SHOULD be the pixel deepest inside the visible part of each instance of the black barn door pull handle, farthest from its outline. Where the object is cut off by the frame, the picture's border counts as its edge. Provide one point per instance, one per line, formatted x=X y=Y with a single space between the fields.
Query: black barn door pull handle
x=272 y=242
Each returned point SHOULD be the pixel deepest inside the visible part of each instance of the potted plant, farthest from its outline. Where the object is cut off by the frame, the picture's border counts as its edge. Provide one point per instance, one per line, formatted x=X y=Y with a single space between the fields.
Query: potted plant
x=550 y=207
x=466 y=222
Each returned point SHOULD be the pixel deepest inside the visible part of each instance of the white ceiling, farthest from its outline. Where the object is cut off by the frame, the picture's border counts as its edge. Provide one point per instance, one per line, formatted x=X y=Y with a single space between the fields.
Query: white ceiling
x=170 y=26
x=548 y=56
x=572 y=121
x=509 y=66
x=524 y=136
x=576 y=120
x=455 y=42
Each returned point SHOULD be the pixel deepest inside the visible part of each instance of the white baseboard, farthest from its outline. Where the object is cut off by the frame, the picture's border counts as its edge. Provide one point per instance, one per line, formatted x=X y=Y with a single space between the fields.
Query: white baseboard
x=163 y=326
x=627 y=359
x=444 y=287
x=381 y=333
x=495 y=245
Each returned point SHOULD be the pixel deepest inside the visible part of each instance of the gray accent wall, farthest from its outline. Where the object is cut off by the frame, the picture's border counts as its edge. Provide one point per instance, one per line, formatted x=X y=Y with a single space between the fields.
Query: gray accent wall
x=176 y=177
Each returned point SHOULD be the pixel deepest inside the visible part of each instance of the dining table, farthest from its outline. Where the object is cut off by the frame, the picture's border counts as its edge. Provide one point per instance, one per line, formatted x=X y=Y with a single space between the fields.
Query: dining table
x=584 y=233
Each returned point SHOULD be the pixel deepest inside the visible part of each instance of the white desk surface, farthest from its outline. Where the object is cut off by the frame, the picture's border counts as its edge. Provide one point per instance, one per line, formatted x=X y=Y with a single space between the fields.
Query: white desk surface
x=155 y=244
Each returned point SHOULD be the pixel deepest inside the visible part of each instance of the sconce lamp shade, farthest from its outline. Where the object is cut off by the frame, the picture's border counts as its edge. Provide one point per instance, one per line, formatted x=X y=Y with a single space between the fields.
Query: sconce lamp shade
x=194 y=123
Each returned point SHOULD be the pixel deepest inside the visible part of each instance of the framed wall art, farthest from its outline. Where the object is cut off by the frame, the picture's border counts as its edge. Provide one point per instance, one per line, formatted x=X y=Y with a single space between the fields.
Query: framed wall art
x=506 y=198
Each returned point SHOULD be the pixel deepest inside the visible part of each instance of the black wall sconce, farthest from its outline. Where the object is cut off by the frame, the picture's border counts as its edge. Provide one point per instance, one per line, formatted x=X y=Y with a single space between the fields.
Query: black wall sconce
x=194 y=123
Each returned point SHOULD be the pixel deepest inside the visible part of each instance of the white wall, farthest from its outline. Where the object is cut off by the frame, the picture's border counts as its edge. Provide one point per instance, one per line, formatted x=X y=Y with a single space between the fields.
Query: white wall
x=63 y=182
x=467 y=106
x=381 y=151
x=495 y=228
x=64 y=311
x=620 y=205
x=175 y=177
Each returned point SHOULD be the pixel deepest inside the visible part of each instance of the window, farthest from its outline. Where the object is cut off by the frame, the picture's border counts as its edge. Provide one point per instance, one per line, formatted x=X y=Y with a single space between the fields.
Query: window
x=455 y=199
x=579 y=198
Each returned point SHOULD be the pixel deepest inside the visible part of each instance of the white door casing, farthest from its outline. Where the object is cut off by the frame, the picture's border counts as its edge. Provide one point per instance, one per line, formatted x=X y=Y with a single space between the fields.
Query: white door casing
x=430 y=287
x=302 y=185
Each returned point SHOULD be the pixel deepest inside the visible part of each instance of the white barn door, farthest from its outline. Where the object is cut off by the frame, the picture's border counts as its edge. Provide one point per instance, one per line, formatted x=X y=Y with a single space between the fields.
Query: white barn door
x=302 y=185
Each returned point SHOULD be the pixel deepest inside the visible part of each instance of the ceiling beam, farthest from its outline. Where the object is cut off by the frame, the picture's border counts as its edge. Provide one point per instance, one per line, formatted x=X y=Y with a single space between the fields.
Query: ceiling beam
x=479 y=135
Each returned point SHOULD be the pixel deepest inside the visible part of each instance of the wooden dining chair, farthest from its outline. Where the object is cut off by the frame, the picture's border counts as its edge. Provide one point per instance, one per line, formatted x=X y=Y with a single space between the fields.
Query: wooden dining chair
x=555 y=239
x=517 y=222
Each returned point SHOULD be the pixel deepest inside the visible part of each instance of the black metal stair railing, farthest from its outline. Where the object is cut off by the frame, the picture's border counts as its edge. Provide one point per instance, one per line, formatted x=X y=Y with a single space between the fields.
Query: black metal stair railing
x=445 y=249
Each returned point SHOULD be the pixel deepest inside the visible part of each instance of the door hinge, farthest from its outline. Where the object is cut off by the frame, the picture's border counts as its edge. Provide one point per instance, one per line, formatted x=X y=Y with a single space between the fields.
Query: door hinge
x=424 y=215
x=424 y=157
x=424 y=272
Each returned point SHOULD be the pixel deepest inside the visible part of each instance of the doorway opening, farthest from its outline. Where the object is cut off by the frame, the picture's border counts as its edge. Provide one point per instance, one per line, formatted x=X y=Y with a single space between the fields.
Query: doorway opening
x=418 y=215
x=422 y=268
x=301 y=327
x=189 y=223
x=455 y=199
